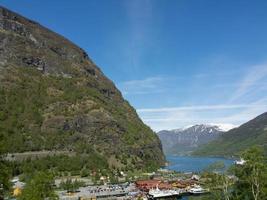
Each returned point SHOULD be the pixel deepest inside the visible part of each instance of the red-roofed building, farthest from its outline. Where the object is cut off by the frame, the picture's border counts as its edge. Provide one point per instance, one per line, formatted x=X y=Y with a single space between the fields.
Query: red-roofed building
x=146 y=185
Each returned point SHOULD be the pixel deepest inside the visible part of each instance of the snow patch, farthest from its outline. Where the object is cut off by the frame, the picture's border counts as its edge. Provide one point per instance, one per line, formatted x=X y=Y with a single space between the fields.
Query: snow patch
x=204 y=127
x=224 y=127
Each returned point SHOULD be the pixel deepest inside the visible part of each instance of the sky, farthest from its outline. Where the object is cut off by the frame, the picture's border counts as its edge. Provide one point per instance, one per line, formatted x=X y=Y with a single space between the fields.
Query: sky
x=178 y=62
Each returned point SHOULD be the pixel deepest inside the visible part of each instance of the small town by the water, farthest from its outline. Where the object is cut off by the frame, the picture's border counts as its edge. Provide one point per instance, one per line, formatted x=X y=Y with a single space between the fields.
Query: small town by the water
x=161 y=184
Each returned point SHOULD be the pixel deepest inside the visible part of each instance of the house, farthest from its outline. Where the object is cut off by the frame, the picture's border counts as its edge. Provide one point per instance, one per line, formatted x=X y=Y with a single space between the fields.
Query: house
x=195 y=177
x=146 y=185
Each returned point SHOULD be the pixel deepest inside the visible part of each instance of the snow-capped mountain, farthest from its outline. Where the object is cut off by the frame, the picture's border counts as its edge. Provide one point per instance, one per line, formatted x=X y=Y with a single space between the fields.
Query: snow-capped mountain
x=185 y=140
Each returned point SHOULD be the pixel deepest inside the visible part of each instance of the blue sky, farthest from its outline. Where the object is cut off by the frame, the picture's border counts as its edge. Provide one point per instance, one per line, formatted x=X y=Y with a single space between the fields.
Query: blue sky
x=178 y=62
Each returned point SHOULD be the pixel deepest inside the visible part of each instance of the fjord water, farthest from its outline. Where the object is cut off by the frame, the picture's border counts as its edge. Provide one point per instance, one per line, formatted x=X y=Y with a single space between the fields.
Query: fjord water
x=193 y=164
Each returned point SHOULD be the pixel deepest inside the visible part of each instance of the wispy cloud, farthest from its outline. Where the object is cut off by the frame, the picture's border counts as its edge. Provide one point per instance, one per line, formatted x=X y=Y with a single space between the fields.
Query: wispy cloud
x=140 y=16
x=253 y=77
x=159 y=84
x=250 y=112
x=176 y=117
x=143 y=86
x=201 y=107
x=247 y=93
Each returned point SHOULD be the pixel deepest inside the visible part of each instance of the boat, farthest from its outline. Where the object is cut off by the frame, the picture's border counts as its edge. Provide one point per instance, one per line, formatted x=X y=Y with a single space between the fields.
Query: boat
x=157 y=193
x=240 y=162
x=197 y=189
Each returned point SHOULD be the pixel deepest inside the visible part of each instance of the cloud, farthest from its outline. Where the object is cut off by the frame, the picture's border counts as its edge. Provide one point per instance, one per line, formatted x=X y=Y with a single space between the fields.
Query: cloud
x=158 y=84
x=195 y=108
x=177 y=117
x=140 y=17
x=250 y=112
x=144 y=86
x=252 y=79
x=251 y=88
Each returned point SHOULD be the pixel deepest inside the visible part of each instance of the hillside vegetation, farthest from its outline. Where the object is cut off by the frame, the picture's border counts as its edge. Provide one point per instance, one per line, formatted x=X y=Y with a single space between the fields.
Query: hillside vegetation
x=239 y=139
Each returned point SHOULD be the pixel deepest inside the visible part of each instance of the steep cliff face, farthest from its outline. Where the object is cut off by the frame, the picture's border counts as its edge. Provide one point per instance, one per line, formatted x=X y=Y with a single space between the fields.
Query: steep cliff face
x=53 y=97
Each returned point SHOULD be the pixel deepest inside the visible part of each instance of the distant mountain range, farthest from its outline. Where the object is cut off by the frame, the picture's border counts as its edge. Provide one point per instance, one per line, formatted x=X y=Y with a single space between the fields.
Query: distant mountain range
x=238 y=139
x=185 y=140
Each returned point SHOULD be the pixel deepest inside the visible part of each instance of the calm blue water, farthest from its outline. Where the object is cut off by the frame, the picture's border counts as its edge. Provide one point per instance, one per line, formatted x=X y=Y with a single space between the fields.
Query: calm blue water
x=193 y=164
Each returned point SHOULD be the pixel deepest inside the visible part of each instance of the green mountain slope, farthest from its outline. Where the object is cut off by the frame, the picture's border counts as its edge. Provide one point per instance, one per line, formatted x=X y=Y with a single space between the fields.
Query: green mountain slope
x=53 y=97
x=236 y=140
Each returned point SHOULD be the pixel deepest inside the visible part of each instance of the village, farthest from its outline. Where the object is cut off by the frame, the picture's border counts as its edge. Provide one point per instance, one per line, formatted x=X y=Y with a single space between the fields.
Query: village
x=161 y=184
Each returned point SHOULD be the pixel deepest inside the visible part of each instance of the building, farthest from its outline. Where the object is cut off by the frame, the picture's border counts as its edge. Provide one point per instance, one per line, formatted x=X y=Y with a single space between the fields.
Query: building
x=146 y=185
x=182 y=184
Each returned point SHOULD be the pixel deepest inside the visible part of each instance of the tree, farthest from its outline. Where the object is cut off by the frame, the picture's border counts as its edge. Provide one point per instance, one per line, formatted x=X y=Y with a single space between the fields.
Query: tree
x=4 y=171
x=219 y=185
x=4 y=179
x=219 y=181
x=252 y=176
x=40 y=187
x=70 y=185
x=225 y=187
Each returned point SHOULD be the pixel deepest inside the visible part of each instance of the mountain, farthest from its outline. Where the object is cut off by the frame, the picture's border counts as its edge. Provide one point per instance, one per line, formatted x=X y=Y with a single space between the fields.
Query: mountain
x=53 y=97
x=186 y=140
x=238 y=139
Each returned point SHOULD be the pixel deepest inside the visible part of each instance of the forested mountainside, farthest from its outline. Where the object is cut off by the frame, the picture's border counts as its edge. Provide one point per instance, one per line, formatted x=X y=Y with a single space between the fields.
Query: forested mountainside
x=239 y=139
x=53 y=97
